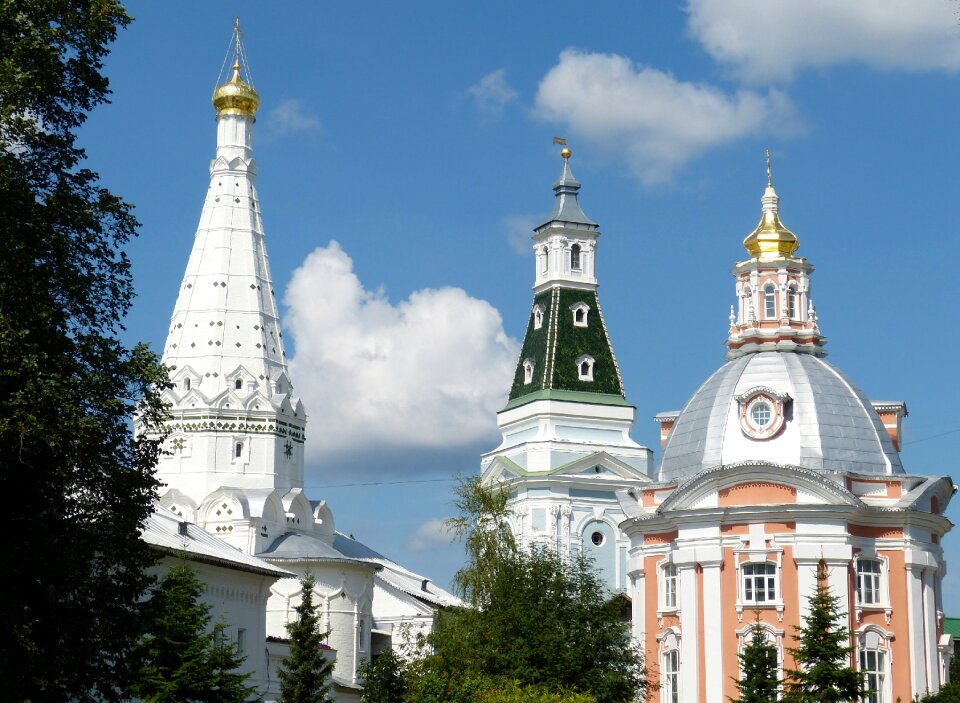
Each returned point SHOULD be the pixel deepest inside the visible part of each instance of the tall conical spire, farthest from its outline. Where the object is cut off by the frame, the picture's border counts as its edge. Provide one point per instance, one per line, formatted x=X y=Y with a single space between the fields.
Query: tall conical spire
x=567 y=206
x=236 y=419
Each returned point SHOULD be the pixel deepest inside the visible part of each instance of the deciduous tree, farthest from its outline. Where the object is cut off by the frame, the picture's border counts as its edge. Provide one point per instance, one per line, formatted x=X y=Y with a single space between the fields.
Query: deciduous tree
x=78 y=485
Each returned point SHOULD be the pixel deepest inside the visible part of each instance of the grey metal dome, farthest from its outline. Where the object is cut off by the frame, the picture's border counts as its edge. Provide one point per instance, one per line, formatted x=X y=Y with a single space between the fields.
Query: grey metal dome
x=829 y=424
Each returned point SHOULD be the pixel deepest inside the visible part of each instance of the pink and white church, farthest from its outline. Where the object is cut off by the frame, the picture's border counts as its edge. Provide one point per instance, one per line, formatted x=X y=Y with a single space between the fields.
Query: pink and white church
x=776 y=467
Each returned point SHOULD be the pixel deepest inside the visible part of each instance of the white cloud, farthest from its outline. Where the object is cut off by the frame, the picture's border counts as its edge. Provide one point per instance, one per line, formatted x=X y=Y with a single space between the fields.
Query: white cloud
x=520 y=232
x=492 y=93
x=657 y=122
x=773 y=39
x=291 y=117
x=428 y=372
x=430 y=535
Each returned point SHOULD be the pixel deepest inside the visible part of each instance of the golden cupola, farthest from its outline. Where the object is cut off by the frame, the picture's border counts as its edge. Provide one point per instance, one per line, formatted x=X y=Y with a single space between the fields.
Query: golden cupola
x=771 y=239
x=237 y=96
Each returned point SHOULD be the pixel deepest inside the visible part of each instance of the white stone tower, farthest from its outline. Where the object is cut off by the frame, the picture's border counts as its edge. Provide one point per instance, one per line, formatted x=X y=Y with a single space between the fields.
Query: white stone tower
x=566 y=444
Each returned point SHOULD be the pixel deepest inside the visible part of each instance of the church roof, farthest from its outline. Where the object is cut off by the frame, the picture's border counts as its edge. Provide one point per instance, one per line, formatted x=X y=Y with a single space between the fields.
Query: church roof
x=828 y=422
x=556 y=345
x=171 y=534
x=566 y=208
x=302 y=546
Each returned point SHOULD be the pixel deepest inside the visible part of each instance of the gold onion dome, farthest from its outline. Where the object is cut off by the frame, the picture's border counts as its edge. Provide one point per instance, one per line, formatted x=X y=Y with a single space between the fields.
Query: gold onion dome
x=236 y=96
x=771 y=239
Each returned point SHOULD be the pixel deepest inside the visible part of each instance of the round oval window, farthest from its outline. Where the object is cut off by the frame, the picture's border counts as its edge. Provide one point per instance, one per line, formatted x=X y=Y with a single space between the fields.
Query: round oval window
x=761 y=414
x=597 y=538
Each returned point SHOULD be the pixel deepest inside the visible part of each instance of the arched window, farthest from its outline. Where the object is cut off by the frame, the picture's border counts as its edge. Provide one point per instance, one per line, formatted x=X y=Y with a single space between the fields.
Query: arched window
x=585 y=368
x=670 y=679
x=792 y=302
x=668 y=586
x=238 y=450
x=528 y=367
x=580 y=312
x=537 y=317
x=238 y=384
x=544 y=259
x=770 y=301
x=874 y=660
x=575 y=257
x=186 y=384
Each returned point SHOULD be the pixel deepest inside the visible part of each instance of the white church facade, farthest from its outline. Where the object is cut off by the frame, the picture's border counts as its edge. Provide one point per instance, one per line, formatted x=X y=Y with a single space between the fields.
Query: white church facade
x=234 y=461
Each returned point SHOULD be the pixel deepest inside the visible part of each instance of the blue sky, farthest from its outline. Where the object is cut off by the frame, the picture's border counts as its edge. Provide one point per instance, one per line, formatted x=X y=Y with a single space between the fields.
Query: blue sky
x=417 y=137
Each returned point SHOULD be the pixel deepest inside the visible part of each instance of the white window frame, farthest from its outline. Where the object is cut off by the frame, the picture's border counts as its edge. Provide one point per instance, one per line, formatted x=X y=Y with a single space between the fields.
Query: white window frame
x=753 y=584
x=576 y=264
x=589 y=361
x=793 y=299
x=760 y=556
x=670 y=678
x=538 y=316
x=580 y=307
x=668 y=573
x=544 y=259
x=529 y=365
x=877 y=640
x=769 y=297
x=883 y=587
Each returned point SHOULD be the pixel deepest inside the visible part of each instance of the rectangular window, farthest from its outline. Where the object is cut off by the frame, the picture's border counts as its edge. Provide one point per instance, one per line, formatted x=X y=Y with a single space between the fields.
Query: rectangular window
x=868 y=581
x=873 y=666
x=759 y=583
x=669 y=586
x=241 y=639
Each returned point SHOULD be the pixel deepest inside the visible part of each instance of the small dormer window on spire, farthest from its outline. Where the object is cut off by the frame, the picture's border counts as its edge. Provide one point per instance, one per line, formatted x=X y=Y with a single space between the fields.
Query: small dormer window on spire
x=575 y=257
x=580 y=312
x=585 y=368
x=537 y=317
x=529 y=365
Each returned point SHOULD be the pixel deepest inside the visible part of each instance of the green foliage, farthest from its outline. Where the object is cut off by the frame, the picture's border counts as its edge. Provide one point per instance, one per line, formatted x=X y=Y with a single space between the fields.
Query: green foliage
x=182 y=660
x=948 y=694
x=80 y=480
x=548 y=623
x=573 y=341
x=305 y=674
x=824 y=674
x=759 y=682
x=488 y=540
x=384 y=679
x=513 y=692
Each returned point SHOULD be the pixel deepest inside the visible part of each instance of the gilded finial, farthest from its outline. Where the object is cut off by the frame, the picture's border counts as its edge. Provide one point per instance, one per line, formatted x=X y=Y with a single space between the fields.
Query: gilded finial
x=769 y=177
x=771 y=239
x=565 y=151
x=237 y=96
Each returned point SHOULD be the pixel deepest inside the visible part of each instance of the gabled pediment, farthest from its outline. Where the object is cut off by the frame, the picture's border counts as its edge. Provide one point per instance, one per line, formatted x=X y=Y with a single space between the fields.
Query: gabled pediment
x=596 y=465
x=757 y=484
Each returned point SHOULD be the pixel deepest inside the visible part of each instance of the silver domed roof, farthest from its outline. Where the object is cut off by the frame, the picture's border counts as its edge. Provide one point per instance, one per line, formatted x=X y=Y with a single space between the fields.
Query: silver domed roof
x=830 y=425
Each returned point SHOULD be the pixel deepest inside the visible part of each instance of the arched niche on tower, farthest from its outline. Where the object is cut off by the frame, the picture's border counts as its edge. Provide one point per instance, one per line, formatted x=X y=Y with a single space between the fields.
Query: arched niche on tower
x=180 y=504
x=323 y=520
x=297 y=510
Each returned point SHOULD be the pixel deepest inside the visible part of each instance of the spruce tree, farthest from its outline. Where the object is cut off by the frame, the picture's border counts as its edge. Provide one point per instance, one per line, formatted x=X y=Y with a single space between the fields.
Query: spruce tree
x=182 y=659
x=305 y=674
x=758 y=682
x=823 y=673
x=78 y=483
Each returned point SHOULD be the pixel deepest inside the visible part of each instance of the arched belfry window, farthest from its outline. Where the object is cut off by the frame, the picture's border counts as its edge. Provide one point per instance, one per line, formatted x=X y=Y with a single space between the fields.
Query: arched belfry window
x=575 y=257
x=544 y=259
x=238 y=384
x=770 y=301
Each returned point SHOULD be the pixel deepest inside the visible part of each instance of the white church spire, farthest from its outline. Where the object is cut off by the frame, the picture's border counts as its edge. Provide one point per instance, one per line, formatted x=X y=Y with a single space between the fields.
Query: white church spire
x=236 y=420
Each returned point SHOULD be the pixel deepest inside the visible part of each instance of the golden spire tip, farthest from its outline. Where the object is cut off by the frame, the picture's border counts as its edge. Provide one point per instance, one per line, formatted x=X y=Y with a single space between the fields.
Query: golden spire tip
x=769 y=177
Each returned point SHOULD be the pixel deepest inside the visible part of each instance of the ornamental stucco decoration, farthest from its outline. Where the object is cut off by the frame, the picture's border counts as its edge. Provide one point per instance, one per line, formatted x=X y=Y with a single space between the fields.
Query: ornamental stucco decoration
x=762 y=412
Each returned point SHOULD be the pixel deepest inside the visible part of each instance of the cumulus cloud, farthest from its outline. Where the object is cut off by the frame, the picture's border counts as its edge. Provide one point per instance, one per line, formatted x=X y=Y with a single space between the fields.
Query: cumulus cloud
x=428 y=372
x=492 y=93
x=656 y=121
x=291 y=117
x=520 y=232
x=429 y=536
x=772 y=40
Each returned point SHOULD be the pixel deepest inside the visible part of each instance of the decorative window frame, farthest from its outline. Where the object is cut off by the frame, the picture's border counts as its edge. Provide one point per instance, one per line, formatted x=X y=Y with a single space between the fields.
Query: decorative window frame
x=775 y=636
x=669 y=643
x=580 y=307
x=529 y=366
x=759 y=556
x=585 y=359
x=885 y=604
x=538 y=315
x=791 y=309
x=543 y=253
x=663 y=607
x=777 y=402
x=244 y=441
x=769 y=288
x=881 y=640
x=576 y=263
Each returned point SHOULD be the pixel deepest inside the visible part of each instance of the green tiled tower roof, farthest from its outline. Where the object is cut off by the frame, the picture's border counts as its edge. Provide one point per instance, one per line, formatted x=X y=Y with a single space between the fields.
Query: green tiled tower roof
x=556 y=345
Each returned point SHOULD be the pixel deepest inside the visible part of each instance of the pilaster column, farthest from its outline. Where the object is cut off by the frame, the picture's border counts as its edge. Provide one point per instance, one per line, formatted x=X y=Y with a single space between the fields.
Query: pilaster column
x=713 y=625
x=686 y=562
x=930 y=630
x=638 y=596
x=918 y=665
x=566 y=513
